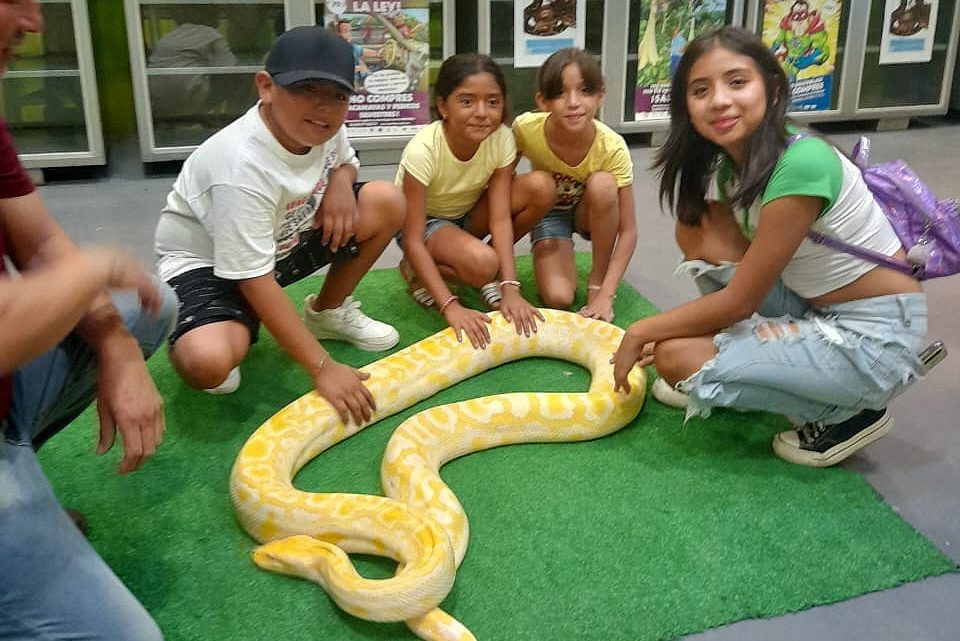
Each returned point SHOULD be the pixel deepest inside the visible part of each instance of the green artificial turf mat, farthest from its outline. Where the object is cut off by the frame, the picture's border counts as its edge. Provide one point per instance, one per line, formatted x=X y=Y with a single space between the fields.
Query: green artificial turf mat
x=659 y=530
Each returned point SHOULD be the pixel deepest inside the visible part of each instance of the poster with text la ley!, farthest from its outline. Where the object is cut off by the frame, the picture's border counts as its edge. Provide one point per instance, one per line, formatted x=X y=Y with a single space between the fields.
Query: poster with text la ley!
x=541 y=27
x=391 y=54
x=908 y=30
x=803 y=35
x=666 y=28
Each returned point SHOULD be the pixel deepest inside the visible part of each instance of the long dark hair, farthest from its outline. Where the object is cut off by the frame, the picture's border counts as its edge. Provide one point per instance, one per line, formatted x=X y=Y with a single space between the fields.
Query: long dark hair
x=455 y=69
x=686 y=160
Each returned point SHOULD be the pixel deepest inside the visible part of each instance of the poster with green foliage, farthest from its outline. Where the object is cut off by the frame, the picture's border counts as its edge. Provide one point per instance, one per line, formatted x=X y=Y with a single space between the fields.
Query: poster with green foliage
x=665 y=30
x=391 y=53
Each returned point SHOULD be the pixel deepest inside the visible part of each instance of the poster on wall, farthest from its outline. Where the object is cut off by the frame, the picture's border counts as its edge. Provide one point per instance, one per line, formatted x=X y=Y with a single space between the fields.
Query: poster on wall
x=391 y=54
x=541 y=27
x=665 y=30
x=908 y=30
x=803 y=35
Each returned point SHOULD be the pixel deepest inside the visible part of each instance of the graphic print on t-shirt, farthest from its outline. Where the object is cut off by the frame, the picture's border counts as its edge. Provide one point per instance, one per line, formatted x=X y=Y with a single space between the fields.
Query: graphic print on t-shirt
x=299 y=213
x=569 y=191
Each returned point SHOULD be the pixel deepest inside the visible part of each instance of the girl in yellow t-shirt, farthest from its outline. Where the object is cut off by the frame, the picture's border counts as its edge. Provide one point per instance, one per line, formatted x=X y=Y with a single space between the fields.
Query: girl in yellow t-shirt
x=583 y=176
x=456 y=176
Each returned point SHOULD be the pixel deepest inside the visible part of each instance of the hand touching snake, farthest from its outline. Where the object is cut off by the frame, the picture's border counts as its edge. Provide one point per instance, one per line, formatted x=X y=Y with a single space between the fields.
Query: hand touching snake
x=420 y=524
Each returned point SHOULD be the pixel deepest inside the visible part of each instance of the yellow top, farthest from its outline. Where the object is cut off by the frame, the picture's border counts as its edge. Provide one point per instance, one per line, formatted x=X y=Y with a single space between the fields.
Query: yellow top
x=608 y=153
x=453 y=186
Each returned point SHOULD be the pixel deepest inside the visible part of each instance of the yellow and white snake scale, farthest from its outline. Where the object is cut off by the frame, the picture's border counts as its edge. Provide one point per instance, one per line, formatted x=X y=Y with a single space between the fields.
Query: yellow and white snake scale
x=420 y=524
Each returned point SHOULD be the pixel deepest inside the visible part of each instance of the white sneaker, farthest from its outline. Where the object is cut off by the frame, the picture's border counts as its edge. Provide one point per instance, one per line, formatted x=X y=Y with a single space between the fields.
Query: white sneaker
x=348 y=323
x=229 y=384
x=666 y=394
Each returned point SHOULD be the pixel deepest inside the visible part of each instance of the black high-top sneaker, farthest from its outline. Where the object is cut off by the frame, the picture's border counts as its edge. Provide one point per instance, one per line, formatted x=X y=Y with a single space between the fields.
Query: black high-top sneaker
x=820 y=445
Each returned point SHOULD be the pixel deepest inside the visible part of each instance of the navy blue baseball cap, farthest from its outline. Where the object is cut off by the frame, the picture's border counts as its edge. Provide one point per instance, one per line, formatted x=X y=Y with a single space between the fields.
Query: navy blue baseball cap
x=311 y=53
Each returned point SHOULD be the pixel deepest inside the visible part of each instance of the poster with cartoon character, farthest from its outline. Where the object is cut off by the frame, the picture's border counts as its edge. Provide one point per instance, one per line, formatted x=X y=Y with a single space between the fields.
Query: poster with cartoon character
x=665 y=30
x=908 y=31
x=803 y=35
x=541 y=27
x=391 y=53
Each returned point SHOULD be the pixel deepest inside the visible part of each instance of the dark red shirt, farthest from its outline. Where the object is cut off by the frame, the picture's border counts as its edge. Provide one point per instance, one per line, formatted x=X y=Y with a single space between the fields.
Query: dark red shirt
x=14 y=182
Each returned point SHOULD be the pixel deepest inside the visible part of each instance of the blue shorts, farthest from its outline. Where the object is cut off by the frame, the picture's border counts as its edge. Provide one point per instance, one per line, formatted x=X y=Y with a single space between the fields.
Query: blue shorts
x=558 y=224
x=433 y=224
x=818 y=364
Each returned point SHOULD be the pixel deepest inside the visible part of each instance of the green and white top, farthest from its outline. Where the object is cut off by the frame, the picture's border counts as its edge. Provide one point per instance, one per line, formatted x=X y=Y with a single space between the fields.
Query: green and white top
x=812 y=167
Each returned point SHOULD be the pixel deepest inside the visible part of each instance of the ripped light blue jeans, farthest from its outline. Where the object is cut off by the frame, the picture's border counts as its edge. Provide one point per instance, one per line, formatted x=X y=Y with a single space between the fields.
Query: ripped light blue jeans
x=811 y=364
x=53 y=584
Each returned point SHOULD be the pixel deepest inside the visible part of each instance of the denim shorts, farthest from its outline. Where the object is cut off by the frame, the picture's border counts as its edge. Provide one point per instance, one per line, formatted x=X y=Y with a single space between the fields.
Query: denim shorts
x=433 y=224
x=559 y=224
x=811 y=364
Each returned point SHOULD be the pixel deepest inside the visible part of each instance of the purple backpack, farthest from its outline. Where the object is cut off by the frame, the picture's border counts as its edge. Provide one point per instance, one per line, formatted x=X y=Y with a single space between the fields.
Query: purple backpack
x=928 y=228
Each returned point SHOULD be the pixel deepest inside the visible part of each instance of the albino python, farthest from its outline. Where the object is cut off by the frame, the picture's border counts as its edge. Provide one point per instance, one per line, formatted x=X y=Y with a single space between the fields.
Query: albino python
x=420 y=524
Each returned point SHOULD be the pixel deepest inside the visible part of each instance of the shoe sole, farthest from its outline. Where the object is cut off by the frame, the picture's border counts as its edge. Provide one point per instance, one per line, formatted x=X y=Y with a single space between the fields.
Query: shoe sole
x=838 y=452
x=668 y=396
x=368 y=345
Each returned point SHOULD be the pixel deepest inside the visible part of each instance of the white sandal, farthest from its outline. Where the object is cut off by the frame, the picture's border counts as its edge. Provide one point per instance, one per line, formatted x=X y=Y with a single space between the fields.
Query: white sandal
x=490 y=294
x=416 y=290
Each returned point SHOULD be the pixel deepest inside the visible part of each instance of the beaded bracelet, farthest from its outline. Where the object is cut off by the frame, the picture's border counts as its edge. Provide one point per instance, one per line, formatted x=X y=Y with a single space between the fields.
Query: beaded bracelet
x=515 y=283
x=447 y=302
x=595 y=288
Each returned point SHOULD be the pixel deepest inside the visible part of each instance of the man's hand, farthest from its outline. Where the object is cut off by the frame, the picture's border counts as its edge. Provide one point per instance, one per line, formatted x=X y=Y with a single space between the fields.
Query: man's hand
x=343 y=388
x=121 y=270
x=337 y=216
x=128 y=401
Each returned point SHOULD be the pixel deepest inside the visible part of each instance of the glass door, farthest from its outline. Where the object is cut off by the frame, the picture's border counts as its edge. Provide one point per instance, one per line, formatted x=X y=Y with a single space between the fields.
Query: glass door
x=196 y=62
x=907 y=84
x=49 y=98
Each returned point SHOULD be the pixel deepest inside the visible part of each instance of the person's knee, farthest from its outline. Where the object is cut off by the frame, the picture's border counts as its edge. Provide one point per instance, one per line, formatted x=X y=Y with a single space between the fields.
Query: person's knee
x=538 y=189
x=478 y=264
x=150 y=330
x=556 y=297
x=689 y=239
x=677 y=359
x=201 y=364
x=556 y=293
x=600 y=190
x=385 y=204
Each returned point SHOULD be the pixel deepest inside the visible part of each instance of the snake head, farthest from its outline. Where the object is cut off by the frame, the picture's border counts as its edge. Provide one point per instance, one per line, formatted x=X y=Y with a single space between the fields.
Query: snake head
x=298 y=555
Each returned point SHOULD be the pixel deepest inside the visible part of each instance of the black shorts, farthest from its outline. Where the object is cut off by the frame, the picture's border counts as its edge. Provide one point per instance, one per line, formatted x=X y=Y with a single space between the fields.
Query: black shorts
x=309 y=256
x=205 y=298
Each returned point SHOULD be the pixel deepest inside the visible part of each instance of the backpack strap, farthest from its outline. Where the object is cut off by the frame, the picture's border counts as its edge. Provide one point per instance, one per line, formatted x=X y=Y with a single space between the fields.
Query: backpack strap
x=860 y=156
x=914 y=271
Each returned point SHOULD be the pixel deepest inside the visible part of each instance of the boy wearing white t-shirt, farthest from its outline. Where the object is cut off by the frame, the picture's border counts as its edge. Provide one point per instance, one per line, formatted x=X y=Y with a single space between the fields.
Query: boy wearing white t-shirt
x=266 y=201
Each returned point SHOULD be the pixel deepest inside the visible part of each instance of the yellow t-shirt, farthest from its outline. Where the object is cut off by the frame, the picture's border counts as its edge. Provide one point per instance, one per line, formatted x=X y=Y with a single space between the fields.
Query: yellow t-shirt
x=453 y=186
x=608 y=153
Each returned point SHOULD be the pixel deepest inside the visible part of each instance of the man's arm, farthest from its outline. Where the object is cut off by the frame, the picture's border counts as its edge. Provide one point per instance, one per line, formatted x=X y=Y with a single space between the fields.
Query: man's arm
x=63 y=288
x=57 y=283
